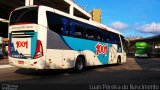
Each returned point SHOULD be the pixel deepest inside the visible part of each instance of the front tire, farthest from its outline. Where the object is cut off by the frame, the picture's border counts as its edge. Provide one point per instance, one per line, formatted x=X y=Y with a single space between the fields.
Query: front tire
x=80 y=64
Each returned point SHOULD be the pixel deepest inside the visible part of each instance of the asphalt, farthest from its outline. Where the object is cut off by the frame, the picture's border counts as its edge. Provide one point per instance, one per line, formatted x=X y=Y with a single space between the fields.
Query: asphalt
x=139 y=71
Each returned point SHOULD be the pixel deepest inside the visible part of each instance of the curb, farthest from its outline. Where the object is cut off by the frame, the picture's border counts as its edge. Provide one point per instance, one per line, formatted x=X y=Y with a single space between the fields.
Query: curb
x=5 y=66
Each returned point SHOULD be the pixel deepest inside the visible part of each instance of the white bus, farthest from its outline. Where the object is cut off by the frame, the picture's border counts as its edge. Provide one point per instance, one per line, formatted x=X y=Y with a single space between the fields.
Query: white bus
x=41 y=37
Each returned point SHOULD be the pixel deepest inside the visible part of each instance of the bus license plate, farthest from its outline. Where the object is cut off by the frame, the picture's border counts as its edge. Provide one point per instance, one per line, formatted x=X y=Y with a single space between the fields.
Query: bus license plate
x=21 y=62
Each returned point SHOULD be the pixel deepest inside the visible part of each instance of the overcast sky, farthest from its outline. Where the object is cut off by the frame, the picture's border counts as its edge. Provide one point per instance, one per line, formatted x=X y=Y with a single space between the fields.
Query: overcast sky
x=130 y=17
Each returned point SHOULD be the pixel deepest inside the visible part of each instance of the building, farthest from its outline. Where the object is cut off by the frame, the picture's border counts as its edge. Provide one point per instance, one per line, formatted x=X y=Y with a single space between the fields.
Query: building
x=96 y=15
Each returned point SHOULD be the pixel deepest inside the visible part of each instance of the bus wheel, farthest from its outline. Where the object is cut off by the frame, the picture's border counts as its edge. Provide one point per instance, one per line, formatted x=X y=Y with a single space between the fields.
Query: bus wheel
x=118 y=61
x=80 y=64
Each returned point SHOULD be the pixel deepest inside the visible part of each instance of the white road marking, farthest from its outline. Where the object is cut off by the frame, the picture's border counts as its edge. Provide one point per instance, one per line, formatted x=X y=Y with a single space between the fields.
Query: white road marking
x=154 y=69
x=5 y=66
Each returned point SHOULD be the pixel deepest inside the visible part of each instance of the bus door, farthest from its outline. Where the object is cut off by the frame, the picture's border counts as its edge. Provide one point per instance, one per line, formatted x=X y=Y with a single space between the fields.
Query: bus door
x=125 y=48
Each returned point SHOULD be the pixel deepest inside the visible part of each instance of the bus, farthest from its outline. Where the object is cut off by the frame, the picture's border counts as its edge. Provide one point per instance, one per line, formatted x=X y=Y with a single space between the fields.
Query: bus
x=141 y=49
x=41 y=37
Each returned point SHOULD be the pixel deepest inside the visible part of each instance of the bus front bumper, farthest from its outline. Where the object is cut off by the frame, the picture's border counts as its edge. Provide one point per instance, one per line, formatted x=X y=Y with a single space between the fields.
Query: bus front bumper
x=141 y=55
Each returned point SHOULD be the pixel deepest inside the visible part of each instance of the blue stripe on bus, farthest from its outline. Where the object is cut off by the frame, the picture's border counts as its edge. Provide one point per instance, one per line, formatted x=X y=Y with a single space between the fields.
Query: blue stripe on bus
x=33 y=44
x=82 y=44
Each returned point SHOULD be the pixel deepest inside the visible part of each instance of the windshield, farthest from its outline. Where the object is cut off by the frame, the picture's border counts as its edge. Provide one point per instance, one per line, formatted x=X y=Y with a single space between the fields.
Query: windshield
x=25 y=15
x=125 y=44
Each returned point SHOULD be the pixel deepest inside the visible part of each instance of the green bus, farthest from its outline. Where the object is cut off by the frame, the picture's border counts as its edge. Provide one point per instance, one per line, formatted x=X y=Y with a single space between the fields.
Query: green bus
x=141 y=49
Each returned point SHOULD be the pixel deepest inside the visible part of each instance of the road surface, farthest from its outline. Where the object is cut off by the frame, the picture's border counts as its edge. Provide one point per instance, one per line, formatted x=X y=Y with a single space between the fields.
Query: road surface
x=133 y=72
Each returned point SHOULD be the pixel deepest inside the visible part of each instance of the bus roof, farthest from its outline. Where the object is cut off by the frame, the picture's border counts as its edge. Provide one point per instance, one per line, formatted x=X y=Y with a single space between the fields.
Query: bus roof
x=90 y=22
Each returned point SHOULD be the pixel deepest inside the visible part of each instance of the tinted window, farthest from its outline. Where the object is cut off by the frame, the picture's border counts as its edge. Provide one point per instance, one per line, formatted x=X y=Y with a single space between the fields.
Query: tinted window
x=54 y=22
x=78 y=31
x=99 y=35
x=125 y=44
x=25 y=15
x=117 y=39
x=68 y=29
x=106 y=36
x=90 y=33
x=114 y=38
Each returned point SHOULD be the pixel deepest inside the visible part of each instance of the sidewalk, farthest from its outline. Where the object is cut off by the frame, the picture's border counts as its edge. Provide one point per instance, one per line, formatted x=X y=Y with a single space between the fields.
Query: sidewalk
x=4 y=61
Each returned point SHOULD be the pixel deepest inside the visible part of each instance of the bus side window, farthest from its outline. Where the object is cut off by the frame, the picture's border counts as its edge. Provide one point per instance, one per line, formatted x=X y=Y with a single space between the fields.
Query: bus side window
x=90 y=34
x=99 y=35
x=114 y=38
x=55 y=22
x=78 y=32
x=106 y=36
x=68 y=29
x=117 y=38
x=111 y=37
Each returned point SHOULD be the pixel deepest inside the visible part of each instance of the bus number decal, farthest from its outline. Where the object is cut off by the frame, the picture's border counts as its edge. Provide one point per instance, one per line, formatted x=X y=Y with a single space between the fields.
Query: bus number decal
x=22 y=44
x=101 y=49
